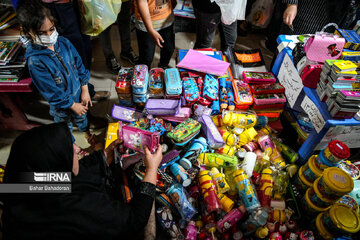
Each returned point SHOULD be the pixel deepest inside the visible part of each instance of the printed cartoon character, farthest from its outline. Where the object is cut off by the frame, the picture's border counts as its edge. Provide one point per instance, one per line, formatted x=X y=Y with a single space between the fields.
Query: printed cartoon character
x=332 y=50
x=135 y=140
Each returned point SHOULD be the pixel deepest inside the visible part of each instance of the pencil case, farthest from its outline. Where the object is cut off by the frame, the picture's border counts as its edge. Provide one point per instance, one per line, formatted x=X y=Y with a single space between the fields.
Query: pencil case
x=123 y=80
x=242 y=94
x=129 y=160
x=258 y=77
x=125 y=114
x=184 y=132
x=267 y=88
x=268 y=106
x=211 y=88
x=140 y=80
x=173 y=86
x=200 y=110
x=163 y=106
x=211 y=133
x=169 y=158
x=310 y=75
x=137 y=139
x=156 y=82
x=181 y=116
x=269 y=99
x=190 y=90
x=140 y=99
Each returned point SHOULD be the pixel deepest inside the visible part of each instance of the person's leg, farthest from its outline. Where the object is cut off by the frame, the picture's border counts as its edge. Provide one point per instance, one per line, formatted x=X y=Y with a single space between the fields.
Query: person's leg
x=168 y=46
x=64 y=117
x=146 y=47
x=206 y=24
x=105 y=42
x=228 y=35
x=124 y=22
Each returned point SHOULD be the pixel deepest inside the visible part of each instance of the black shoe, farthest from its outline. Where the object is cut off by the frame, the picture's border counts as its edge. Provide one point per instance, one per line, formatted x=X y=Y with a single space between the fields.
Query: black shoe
x=96 y=122
x=130 y=57
x=113 y=65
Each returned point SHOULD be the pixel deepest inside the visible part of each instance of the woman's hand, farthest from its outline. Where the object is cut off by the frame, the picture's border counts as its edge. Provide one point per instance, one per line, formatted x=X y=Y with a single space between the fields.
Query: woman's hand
x=79 y=109
x=157 y=38
x=290 y=14
x=109 y=151
x=152 y=161
x=85 y=96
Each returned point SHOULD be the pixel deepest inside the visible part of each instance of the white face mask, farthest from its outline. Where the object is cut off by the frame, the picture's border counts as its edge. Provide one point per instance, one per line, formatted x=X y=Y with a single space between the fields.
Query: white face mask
x=47 y=41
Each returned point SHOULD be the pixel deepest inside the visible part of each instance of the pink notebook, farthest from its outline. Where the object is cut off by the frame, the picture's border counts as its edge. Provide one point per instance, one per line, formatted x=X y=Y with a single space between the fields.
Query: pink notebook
x=197 y=61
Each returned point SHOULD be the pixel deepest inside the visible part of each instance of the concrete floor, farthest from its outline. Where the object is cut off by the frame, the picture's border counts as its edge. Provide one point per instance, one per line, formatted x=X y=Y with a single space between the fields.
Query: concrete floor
x=37 y=109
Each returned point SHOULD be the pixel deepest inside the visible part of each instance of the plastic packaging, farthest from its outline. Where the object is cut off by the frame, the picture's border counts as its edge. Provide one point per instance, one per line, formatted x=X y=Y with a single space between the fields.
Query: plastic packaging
x=246 y=191
x=179 y=197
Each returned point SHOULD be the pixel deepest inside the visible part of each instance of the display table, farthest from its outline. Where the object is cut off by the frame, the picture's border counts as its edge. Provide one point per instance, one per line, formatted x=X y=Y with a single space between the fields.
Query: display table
x=11 y=116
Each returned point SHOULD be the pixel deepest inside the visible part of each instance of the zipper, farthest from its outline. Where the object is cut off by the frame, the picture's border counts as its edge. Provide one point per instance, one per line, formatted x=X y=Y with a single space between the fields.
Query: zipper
x=62 y=62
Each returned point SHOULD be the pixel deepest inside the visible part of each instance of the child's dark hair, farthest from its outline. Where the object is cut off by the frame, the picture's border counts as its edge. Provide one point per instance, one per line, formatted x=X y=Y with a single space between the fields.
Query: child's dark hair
x=31 y=15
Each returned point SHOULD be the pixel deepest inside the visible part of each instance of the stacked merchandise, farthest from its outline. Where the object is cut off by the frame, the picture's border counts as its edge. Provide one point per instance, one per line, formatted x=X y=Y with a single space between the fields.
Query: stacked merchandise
x=7 y=19
x=339 y=88
x=184 y=8
x=224 y=173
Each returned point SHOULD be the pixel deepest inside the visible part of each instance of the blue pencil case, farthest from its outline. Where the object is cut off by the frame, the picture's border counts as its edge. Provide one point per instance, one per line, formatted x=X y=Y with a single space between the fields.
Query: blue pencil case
x=190 y=90
x=173 y=85
x=140 y=80
x=211 y=88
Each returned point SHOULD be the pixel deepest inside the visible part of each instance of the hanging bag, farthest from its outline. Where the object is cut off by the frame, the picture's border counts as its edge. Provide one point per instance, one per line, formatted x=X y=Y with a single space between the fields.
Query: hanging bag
x=323 y=46
x=97 y=15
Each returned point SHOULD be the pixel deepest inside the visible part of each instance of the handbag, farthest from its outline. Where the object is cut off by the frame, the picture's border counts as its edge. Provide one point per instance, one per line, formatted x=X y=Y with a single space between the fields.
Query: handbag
x=97 y=15
x=323 y=46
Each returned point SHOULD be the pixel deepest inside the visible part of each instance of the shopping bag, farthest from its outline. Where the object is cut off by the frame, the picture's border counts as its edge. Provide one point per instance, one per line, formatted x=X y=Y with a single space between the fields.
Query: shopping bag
x=261 y=12
x=323 y=46
x=97 y=15
x=231 y=10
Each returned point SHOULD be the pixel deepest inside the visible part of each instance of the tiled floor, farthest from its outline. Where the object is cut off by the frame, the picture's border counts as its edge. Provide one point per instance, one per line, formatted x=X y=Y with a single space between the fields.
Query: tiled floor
x=37 y=110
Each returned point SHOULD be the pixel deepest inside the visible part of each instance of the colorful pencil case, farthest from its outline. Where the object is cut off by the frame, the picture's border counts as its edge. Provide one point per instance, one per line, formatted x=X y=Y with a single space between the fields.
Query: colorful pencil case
x=190 y=90
x=242 y=94
x=156 y=81
x=140 y=80
x=258 y=77
x=268 y=106
x=184 y=132
x=269 y=99
x=200 y=110
x=142 y=98
x=181 y=116
x=211 y=133
x=137 y=139
x=163 y=106
x=123 y=80
x=267 y=88
x=211 y=88
x=173 y=86
x=125 y=114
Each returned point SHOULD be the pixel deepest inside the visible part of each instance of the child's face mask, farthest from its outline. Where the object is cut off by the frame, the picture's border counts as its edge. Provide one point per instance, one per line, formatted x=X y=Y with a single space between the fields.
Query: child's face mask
x=47 y=41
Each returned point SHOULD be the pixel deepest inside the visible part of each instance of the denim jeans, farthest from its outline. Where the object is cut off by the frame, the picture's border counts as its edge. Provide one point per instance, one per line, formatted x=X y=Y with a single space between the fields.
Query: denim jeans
x=147 y=46
x=67 y=116
x=123 y=22
x=206 y=24
x=67 y=16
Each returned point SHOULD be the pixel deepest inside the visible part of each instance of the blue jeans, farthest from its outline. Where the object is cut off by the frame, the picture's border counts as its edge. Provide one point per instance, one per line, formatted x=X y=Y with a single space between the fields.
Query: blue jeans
x=206 y=25
x=67 y=116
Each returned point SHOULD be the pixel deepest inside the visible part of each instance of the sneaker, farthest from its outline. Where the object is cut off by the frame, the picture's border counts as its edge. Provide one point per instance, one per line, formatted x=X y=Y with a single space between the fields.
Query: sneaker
x=100 y=95
x=130 y=57
x=113 y=65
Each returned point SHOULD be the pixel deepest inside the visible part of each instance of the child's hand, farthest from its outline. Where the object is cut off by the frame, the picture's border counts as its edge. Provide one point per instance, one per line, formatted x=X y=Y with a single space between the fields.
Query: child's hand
x=85 y=96
x=290 y=14
x=152 y=161
x=79 y=109
x=157 y=38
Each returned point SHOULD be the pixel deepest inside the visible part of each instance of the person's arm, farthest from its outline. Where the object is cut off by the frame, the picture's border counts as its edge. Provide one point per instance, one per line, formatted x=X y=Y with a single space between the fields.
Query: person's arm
x=290 y=11
x=145 y=15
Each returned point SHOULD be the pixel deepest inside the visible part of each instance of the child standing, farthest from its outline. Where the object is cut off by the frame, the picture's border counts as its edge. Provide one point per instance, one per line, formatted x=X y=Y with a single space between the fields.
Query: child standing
x=154 y=26
x=55 y=67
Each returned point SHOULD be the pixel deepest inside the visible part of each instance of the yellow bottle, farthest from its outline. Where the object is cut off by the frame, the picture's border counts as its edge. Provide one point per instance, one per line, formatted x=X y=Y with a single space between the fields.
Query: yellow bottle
x=247 y=136
x=229 y=138
x=220 y=181
x=228 y=150
x=239 y=120
x=226 y=203
x=217 y=119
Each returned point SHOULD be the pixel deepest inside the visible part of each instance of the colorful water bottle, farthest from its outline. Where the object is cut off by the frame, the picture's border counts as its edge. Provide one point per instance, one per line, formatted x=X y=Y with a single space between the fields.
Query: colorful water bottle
x=229 y=220
x=261 y=122
x=249 y=163
x=228 y=150
x=257 y=219
x=180 y=174
x=262 y=163
x=290 y=155
x=266 y=187
x=198 y=146
x=217 y=160
x=230 y=180
x=220 y=181
x=246 y=191
x=191 y=231
x=247 y=136
x=208 y=190
x=223 y=93
x=226 y=203
x=229 y=138
x=240 y=120
x=217 y=119
x=230 y=95
x=178 y=196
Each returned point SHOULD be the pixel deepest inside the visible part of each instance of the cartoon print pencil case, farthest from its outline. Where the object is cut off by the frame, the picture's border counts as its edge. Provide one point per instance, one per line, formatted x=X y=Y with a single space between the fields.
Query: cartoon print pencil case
x=242 y=94
x=123 y=80
x=269 y=99
x=125 y=114
x=211 y=88
x=184 y=132
x=190 y=90
x=163 y=106
x=267 y=88
x=258 y=77
x=156 y=82
x=173 y=86
x=137 y=139
x=140 y=80
x=182 y=115
x=211 y=133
